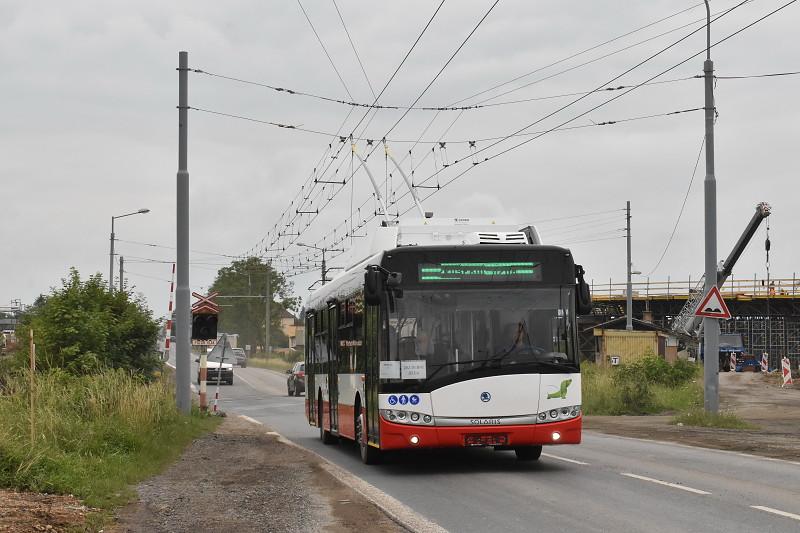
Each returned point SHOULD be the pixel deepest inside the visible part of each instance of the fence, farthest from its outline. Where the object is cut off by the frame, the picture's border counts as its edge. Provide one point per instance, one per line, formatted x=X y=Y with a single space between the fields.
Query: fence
x=733 y=288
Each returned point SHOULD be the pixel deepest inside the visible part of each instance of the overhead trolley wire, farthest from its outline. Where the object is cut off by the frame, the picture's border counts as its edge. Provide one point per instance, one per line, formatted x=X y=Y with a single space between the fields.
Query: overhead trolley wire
x=522 y=143
x=324 y=49
x=391 y=78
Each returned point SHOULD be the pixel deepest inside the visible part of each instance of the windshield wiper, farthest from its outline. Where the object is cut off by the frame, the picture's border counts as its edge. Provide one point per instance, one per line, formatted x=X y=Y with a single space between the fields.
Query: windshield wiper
x=441 y=366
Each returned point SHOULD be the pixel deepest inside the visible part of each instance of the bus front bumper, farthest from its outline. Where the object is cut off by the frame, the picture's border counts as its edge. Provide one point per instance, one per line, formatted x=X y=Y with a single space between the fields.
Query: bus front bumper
x=403 y=436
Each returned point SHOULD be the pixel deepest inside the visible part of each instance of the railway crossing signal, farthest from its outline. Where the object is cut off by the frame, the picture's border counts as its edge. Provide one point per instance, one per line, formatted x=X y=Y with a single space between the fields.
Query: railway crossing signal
x=205 y=317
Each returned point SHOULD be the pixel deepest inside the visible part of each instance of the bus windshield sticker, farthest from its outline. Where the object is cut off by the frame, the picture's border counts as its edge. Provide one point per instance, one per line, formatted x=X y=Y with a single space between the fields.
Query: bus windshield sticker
x=390 y=370
x=414 y=369
x=480 y=272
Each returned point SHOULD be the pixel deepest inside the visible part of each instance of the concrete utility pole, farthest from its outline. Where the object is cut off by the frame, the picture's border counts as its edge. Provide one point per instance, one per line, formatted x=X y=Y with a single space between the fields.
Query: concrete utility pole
x=121 y=273
x=183 y=396
x=629 y=303
x=710 y=325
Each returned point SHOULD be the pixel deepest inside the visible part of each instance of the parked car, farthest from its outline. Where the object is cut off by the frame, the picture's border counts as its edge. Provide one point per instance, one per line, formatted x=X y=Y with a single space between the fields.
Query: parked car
x=241 y=357
x=296 y=382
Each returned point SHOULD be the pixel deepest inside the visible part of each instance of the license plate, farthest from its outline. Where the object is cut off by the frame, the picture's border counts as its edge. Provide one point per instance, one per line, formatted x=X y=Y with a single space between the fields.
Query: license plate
x=486 y=439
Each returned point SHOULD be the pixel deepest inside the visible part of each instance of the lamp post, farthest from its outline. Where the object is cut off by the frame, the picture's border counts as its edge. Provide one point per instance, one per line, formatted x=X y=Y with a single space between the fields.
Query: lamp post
x=323 y=250
x=111 y=253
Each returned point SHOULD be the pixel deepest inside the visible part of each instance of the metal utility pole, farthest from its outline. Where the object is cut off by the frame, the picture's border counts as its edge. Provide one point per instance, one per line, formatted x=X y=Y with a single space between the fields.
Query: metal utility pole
x=121 y=273
x=629 y=303
x=267 y=312
x=710 y=325
x=323 y=250
x=111 y=259
x=111 y=250
x=182 y=294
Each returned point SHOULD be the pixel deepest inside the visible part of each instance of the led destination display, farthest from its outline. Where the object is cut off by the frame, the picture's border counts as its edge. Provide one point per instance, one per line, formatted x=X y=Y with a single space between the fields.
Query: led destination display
x=480 y=272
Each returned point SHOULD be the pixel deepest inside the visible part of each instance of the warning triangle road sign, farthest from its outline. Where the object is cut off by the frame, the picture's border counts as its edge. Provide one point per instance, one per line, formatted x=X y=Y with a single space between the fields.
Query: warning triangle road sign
x=713 y=306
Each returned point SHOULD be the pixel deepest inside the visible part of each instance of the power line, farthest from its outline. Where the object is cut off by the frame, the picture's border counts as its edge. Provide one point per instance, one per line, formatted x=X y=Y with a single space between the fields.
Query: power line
x=324 y=49
x=683 y=206
x=151 y=245
x=770 y=75
x=353 y=46
x=522 y=143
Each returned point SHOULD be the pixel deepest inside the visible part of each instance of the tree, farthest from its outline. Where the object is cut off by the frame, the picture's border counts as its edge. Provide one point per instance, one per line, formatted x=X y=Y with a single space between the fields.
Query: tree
x=82 y=327
x=245 y=316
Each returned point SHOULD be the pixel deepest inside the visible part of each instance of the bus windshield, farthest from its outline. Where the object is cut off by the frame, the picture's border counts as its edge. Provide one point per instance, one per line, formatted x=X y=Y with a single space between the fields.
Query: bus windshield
x=438 y=333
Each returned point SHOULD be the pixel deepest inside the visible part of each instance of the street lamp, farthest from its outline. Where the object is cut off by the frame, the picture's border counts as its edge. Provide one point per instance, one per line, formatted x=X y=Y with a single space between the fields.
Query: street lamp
x=323 y=250
x=111 y=253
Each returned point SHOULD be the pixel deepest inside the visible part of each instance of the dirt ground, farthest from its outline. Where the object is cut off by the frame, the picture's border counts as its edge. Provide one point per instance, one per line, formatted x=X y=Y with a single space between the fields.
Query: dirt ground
x=25 y=512
x=242 y=478
x=754 y=397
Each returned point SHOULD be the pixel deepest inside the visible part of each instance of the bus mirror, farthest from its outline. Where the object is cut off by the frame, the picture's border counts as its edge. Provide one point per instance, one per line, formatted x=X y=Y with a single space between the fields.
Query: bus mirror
x=373 y=279
x=394 y=279
x=584 y=296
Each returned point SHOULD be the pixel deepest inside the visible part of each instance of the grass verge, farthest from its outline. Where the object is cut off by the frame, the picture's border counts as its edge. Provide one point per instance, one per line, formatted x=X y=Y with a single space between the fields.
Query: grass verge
x=271 y=363
x=647 y=387
x=94 y=436
x=701 y=418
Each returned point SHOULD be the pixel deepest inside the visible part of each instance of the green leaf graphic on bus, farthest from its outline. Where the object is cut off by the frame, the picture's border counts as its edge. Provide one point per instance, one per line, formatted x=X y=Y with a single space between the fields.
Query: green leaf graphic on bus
x=562 y=392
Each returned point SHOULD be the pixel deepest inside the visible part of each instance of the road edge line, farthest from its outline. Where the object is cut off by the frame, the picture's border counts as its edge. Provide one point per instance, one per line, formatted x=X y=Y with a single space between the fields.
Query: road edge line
x=690 y=446
x=396 y=510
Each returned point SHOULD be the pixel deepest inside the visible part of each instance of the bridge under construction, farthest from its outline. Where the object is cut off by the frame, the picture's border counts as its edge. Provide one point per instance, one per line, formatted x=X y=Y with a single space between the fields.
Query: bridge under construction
x=766 y=312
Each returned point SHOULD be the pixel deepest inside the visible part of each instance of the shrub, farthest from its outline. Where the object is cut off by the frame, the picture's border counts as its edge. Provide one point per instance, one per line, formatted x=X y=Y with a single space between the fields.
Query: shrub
x=650 y=385
x=82 y=327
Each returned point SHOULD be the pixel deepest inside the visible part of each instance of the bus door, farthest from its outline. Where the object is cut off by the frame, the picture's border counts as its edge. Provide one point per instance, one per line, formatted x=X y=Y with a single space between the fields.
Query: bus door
x=372 y=334
x=311 y=368
x=333 y=365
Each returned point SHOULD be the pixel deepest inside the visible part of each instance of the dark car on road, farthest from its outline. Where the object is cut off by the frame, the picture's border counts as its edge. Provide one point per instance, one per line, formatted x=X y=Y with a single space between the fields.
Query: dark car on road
x=241 y=357
x=296 y=382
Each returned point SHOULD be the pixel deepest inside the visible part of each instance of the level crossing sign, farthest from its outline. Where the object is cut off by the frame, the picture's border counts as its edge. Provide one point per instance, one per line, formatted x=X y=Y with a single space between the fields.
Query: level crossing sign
x=713 y=306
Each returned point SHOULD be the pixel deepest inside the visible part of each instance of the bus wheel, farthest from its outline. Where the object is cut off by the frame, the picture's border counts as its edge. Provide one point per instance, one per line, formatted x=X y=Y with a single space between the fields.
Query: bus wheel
x=369 y=454
x=324 y=435
x=528 y=453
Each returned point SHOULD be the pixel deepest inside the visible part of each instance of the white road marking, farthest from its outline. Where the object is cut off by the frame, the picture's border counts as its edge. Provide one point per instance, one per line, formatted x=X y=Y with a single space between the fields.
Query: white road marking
x=169 y=365
x=768 y=458
x=665 y=483
x=776 y=511
x=251 y=420
x=551 y=456
x=239 y=376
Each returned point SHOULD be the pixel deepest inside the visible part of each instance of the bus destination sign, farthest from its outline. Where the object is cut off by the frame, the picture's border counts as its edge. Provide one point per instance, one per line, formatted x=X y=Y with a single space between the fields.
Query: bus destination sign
x=480 y=272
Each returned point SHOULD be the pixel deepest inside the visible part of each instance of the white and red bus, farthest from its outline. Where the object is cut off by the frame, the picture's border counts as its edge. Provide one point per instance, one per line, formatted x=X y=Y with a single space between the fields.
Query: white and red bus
x=448 y=333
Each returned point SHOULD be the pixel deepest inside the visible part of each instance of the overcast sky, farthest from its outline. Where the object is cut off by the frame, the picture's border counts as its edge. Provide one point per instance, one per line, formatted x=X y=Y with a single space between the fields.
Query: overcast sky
x=89 y=127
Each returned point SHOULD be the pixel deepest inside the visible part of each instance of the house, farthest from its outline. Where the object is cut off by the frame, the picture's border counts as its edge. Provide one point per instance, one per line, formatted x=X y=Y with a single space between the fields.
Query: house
x=295 y=331
x=616 y=345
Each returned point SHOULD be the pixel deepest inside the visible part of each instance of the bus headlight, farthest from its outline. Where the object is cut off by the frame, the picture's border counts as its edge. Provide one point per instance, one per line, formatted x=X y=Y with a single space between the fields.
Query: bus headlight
x=557 y=415
x=406 y=417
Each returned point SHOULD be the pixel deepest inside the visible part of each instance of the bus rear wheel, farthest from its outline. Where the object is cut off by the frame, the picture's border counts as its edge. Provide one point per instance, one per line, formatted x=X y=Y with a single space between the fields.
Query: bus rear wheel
x=369 y=454
x=528 y=453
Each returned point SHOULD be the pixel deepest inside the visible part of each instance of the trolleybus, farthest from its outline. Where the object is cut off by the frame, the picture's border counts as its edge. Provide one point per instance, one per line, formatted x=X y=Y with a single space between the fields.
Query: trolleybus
x=448 y=333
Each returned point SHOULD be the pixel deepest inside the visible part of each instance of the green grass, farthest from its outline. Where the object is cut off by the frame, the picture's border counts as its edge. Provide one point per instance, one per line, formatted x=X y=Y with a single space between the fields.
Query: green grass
x=618 y=391
x=272 y=363
x=700 y=418
x=95 y=435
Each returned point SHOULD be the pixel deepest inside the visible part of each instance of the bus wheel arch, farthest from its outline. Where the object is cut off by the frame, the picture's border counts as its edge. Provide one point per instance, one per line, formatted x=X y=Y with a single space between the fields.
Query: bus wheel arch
x=370 y=455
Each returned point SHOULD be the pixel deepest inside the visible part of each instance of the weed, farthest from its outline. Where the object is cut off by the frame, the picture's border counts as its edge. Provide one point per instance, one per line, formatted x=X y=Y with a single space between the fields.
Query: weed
x=701 y=418
x=94 y=434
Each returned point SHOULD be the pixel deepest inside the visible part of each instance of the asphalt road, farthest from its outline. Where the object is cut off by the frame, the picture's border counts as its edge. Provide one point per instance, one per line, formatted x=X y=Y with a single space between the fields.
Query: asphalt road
x=604 y=484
